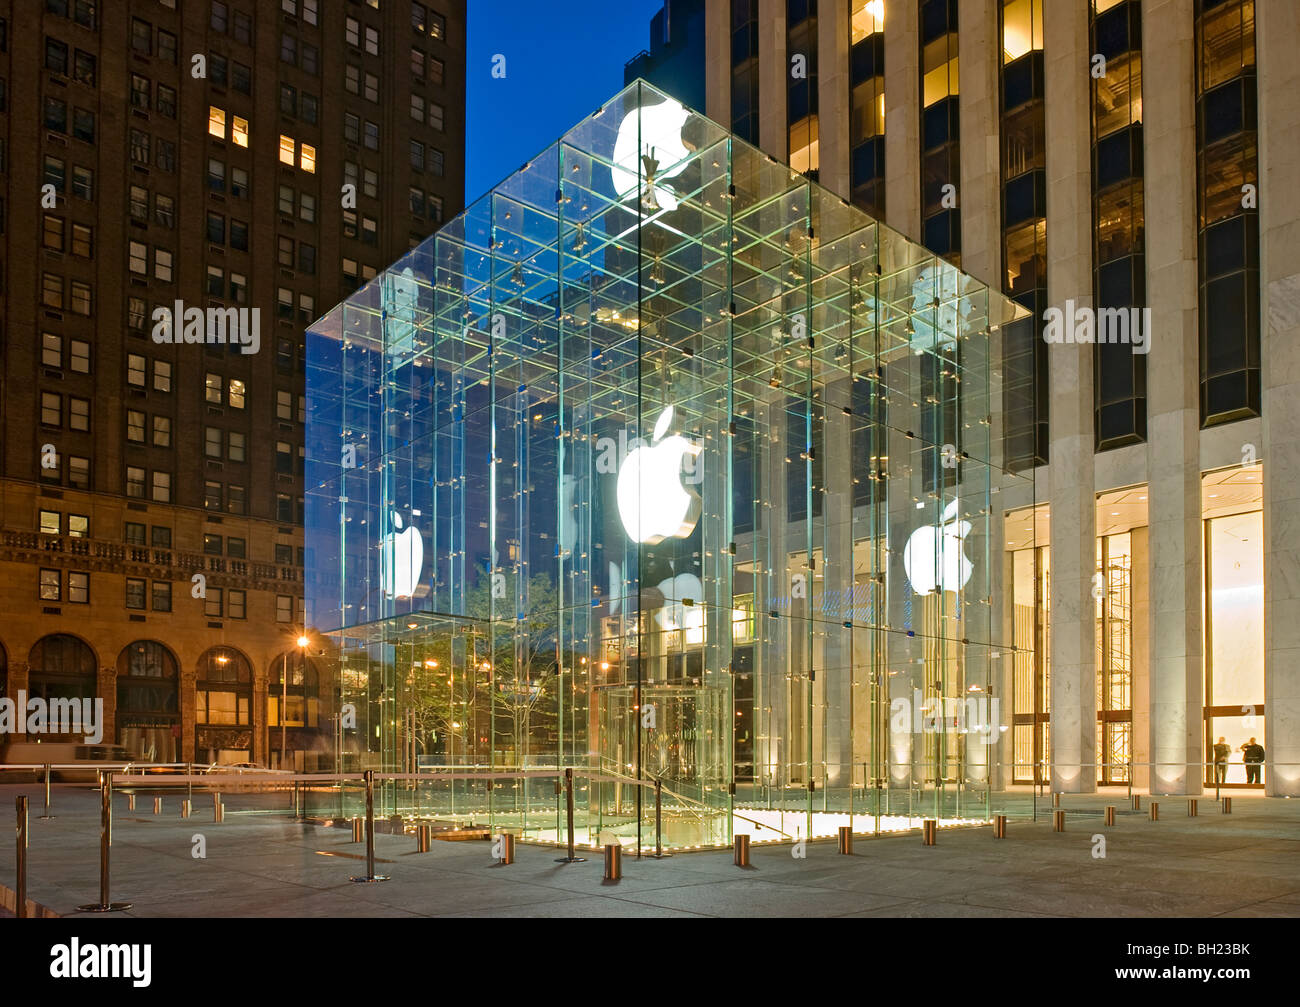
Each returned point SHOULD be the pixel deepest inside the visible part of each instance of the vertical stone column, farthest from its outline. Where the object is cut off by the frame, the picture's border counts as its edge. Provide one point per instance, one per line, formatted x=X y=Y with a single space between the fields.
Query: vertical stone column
x=833 y=60
x=717 y=61
x=1140 y=694
x=1176 y=685
x=186 y=697
x=978 y=196
x=1276 y=29
x=1073 y=515
x=902 y=117
x=773 y=79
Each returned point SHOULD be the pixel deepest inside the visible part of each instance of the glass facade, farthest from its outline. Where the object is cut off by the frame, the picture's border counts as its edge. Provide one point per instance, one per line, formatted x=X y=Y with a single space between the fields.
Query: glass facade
x=660 y=463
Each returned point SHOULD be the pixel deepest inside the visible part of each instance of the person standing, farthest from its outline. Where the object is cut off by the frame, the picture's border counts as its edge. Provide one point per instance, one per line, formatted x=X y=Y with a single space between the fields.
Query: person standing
x=1221 y=752
x=1252 y=754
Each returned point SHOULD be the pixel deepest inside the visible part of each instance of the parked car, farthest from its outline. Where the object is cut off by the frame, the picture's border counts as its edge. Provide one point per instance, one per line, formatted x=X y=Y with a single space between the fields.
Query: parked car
x=72 y=757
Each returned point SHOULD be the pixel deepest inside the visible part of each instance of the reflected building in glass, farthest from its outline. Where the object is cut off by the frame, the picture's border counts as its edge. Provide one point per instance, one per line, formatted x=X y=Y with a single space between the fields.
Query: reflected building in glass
x=663 y=464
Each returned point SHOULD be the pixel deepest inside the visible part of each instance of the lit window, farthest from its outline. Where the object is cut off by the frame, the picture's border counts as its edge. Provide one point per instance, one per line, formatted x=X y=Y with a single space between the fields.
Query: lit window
x=216 y=122
x=307 y=162
x=239 y=131
x=162 y=487
x=286 y=150
x=51 y=522
x=236 y=394
x=135 y=426
x=162 y=432
x=51 y=585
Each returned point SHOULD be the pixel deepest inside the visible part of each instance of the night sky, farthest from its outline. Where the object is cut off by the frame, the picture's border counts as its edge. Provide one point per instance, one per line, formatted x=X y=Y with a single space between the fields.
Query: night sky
x=564 y=58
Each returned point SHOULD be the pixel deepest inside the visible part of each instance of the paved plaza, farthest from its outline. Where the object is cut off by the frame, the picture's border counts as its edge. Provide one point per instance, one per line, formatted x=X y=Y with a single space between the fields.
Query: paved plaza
x=1246 y=864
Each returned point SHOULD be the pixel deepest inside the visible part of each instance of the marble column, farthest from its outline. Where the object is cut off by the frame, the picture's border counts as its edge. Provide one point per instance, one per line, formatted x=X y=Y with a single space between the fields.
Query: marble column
x=902 y=117
x=1176 y=668
x=773 y=80
x=1277 y=26
x=1073 y=513
x=833 y=63
x=717 y=61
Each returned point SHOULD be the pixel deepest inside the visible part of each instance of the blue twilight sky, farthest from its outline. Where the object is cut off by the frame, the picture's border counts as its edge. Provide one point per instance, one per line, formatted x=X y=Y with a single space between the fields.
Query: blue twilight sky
x=563 y=59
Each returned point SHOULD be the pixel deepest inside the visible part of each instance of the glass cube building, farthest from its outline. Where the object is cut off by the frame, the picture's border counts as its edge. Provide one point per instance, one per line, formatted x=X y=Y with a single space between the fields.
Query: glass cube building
x=665 y=465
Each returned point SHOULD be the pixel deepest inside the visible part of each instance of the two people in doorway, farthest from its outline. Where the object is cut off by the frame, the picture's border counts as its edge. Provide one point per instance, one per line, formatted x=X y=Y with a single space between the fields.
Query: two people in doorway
x=1252 y=755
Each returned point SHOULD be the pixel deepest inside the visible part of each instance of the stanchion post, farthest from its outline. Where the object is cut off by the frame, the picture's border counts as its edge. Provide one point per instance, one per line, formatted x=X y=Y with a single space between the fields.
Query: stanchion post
x=105 y=841
x=370 y=831
x=1191 y=807
x=189 y=783
x=740 y=853
x=613 y=861
x=47 y=814
x=1227 y=805
x=572 y=858
x=1058 y=821
x=358 y=830
x=1153 y=810
x=1110 y=814
x=20 y=850
x=218 y=809
x=999 y=826
x=846 y=840
x=1137 y=802
x=929 y=832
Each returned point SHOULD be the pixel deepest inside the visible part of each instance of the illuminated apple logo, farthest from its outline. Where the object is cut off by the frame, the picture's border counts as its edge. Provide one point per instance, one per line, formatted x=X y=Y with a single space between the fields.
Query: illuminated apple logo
x=649 y=144
x=401 y=560
x=676 y=614
x=652 y=501
x=935 y=557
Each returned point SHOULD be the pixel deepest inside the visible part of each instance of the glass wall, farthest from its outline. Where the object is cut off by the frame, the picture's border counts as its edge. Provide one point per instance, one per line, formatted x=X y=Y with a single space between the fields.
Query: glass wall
x=661 y=463
x=1026 y=537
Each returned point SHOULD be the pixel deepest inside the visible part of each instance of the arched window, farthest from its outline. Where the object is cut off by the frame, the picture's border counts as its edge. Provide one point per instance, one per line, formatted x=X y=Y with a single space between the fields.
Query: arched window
x=62 y=667
x=302 y=702
x=224 y=687
x=148 y=714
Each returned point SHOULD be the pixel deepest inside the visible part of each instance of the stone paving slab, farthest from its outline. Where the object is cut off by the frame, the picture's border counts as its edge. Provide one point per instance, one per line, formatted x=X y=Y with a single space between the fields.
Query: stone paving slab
x=1242 y=865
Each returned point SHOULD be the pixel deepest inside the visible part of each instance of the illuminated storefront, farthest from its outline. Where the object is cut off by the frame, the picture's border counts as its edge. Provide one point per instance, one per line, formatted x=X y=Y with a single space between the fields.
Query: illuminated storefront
x=662 y=463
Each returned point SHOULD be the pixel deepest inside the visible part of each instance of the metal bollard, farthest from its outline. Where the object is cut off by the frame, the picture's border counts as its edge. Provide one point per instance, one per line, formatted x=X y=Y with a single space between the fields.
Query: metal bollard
x=1056 y=800
x=105 y=841
x=1153 y=810
x=740 y=849
x=1227 y=805
x=157 y=805
x=397 y=824
x=357 y=830
x=1137 y=802
x=130 y=802
x=47 y=814
x=20 y=852
x=929 y=832
x=370 y=832
x=846 y=840
x=1110 y=814
x=422 y=838
x=186 y=807
x=1191 y=807
x=1058 y=821
x=613 y=861
x=999 y=826
x=659 y=821
x=218 y=809
x=572 y=858
x=507 y=848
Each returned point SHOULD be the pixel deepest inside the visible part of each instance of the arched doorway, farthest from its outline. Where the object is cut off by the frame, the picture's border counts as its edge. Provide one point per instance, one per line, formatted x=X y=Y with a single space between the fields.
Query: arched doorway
x=223 y=722
x=300 y=733
x=62 y=666
x=148 y=715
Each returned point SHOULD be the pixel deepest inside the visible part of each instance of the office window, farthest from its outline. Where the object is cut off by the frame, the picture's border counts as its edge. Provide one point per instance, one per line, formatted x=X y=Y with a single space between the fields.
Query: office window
x=83 y=68
x=435 y=70
x=417 y=64
x=216 y=281
x=135 y=364
x=56 y=115
x=135 y=588
x=52 y=236
x=371 y=135
x=283 y=405
x=241 y=78
x=83 y=125
x=133 y=533
x=236 y=502
x=219 y=19
x=134 y=481
x=79 y=472
x=235 y=446
x=352 y=31
x=238 y=237
x=135 y=426
x=56 y=56
x=284 y=301
x=306 y=258
x=160 y=537
x=51 y=585
x=162 y=596
x=216 y=228
x=82 y=240
x=307 y=159
x=288 y=100
x=417 y=156
x=243 y=31
x=162 y=487
x=238 y=288
x=212 y=385
x=79 y=297
x=235 y=604
x=217 y=122
x=51 y=409
x=211 y=497
x=136 y=309
x=283 y=607
x=239 y=182
x=55 y=172
x=287 y=150
x=52 y=290
x=51 y=522
x=351 y=128
x=218 y=69
x=309 y=108
x=435 y=116
x=162 y=265
x=79 y=356
x=140 y=147
x=370 y=182
x=51 y=350
x=284 y=252
x=236 y=393
x=78 y=413
x=166 y=46
x=164 y=156
x=216 y=175
x=212 y=442
x=371 y=90
x=162 y=431
x=310 y=59
x=288 y=49
x=352 y=79
x=78 y=587
x=239 y=131
x=372 y=41
x=78 y=526
x=167 y=101
x=141 y=91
